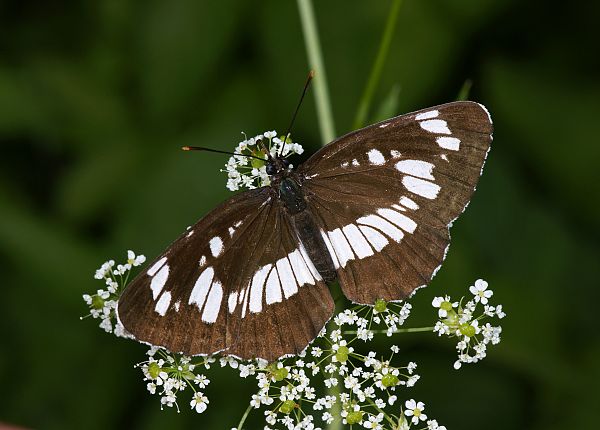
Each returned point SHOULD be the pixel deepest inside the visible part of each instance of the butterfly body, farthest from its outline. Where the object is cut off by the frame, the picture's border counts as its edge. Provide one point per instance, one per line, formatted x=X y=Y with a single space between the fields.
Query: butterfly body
x=302 y=222
x=371 y=209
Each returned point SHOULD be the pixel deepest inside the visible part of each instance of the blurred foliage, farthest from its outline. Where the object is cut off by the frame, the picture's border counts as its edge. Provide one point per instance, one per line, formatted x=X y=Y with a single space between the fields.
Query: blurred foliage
x=97 y=97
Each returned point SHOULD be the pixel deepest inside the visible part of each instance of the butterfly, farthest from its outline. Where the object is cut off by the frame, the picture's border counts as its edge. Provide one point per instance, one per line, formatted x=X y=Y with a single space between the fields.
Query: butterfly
x=371 y=209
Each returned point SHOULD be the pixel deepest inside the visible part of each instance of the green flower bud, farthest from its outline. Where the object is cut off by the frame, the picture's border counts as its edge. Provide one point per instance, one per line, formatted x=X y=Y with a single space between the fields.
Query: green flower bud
x=389 y=380
x=97 y=302
x=380 y=305
x=257 y=164
x=342 y=354
x=447 y=306
x=452 y=318
x=354 y=417
x=287 y=406
x=280 y=374
x=154 y=370
x=467 y=329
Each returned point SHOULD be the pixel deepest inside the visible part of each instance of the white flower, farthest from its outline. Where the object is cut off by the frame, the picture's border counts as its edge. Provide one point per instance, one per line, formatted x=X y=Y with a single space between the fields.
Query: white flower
x=444 y=305
x=245 y=171
x=415 y=410
x=199 y=402
x=201 y=380
x=433 y=425
x=480 y=291
x=134 y=260
x=373 y=422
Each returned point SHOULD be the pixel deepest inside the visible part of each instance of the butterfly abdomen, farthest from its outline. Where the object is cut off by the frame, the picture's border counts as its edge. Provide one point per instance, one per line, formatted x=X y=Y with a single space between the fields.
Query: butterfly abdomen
x=306 y=228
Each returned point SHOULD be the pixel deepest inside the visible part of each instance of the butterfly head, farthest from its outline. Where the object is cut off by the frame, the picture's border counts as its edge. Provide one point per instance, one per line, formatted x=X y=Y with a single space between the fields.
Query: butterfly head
x=277 y=165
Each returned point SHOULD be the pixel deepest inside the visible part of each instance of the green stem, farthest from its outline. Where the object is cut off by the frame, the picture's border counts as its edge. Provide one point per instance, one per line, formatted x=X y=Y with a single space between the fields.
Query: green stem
x=386 y=416
x=243 y=420
x=315 y=59
x=400 y=330
x=386 y=39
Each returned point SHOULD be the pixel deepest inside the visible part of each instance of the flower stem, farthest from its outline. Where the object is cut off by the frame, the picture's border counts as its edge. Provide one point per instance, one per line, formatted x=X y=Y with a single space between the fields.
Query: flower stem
x=315 y=59
x=243 y=420
x=400 y=330
x=386 y=39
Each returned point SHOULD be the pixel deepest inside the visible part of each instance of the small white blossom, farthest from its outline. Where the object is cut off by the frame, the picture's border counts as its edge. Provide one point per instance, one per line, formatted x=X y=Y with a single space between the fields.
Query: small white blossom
x=480 y=291
x=415 y=410
x=199 y=402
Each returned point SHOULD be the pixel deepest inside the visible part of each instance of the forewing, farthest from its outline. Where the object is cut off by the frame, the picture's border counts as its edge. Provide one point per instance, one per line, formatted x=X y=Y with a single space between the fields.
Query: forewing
x=386 y=195
x=206 y=293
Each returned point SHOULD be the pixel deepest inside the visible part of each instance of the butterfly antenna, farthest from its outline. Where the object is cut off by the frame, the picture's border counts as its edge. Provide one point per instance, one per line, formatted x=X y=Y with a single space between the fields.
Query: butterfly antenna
x=311 y=75
x=201 y=148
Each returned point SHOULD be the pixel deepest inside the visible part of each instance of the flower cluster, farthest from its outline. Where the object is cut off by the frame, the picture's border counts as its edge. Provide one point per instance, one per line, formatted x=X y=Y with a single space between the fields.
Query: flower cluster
x=103 y=304
x=169 y=374
x=336 y=378
x=461 y=320
x=244 y=171
x=361 y=388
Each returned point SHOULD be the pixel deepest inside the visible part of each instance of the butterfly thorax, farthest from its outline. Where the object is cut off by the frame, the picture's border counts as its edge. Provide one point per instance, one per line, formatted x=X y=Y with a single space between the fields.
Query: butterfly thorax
x=288 y=188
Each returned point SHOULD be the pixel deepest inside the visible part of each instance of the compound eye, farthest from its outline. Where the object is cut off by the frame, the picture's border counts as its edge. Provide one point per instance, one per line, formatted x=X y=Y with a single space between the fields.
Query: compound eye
x=271 y=169
x=285 y=163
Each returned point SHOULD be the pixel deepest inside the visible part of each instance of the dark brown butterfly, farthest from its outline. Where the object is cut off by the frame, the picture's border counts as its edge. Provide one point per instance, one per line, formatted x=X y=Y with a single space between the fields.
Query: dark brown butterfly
x=371 y=209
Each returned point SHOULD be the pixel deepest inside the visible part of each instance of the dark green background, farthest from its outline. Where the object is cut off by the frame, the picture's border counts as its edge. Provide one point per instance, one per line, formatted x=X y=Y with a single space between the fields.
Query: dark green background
x=97 y=97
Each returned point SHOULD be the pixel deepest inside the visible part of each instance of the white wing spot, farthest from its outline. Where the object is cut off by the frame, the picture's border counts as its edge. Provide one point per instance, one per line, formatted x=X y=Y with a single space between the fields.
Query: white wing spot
x=375 y=238
x=216 y=246
x=437 y=126
x=427 y=115
x=213 y=303
x=189 y=233
x=151 y=271
x=159 y=281
x=355 y=163
x=451 y=143
x=444 y=157
x=309 y=263
x=237 y=224
x=200 y=290
x=176 y=305
x=303 y=275
x=384 y=125
x=344 y=164
x=376 y=157
x=163 y=304
x=286 y=276
x=256 y=289
x=381 y=224
x=402 y=221
x=341 y=246
x=202 y=261
x=359 y=244
x=232 y=301
x=231 y=231
x=398 y=207
x=395 y=153
x=336 y=263
x=418 y=168
x=411 y=204
x=421 y=187
x=245 y=304
x=273 y=288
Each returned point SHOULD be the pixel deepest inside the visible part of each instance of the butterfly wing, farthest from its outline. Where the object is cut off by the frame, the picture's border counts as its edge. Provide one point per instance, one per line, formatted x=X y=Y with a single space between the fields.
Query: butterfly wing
x=385 y=196
x=236 y=282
